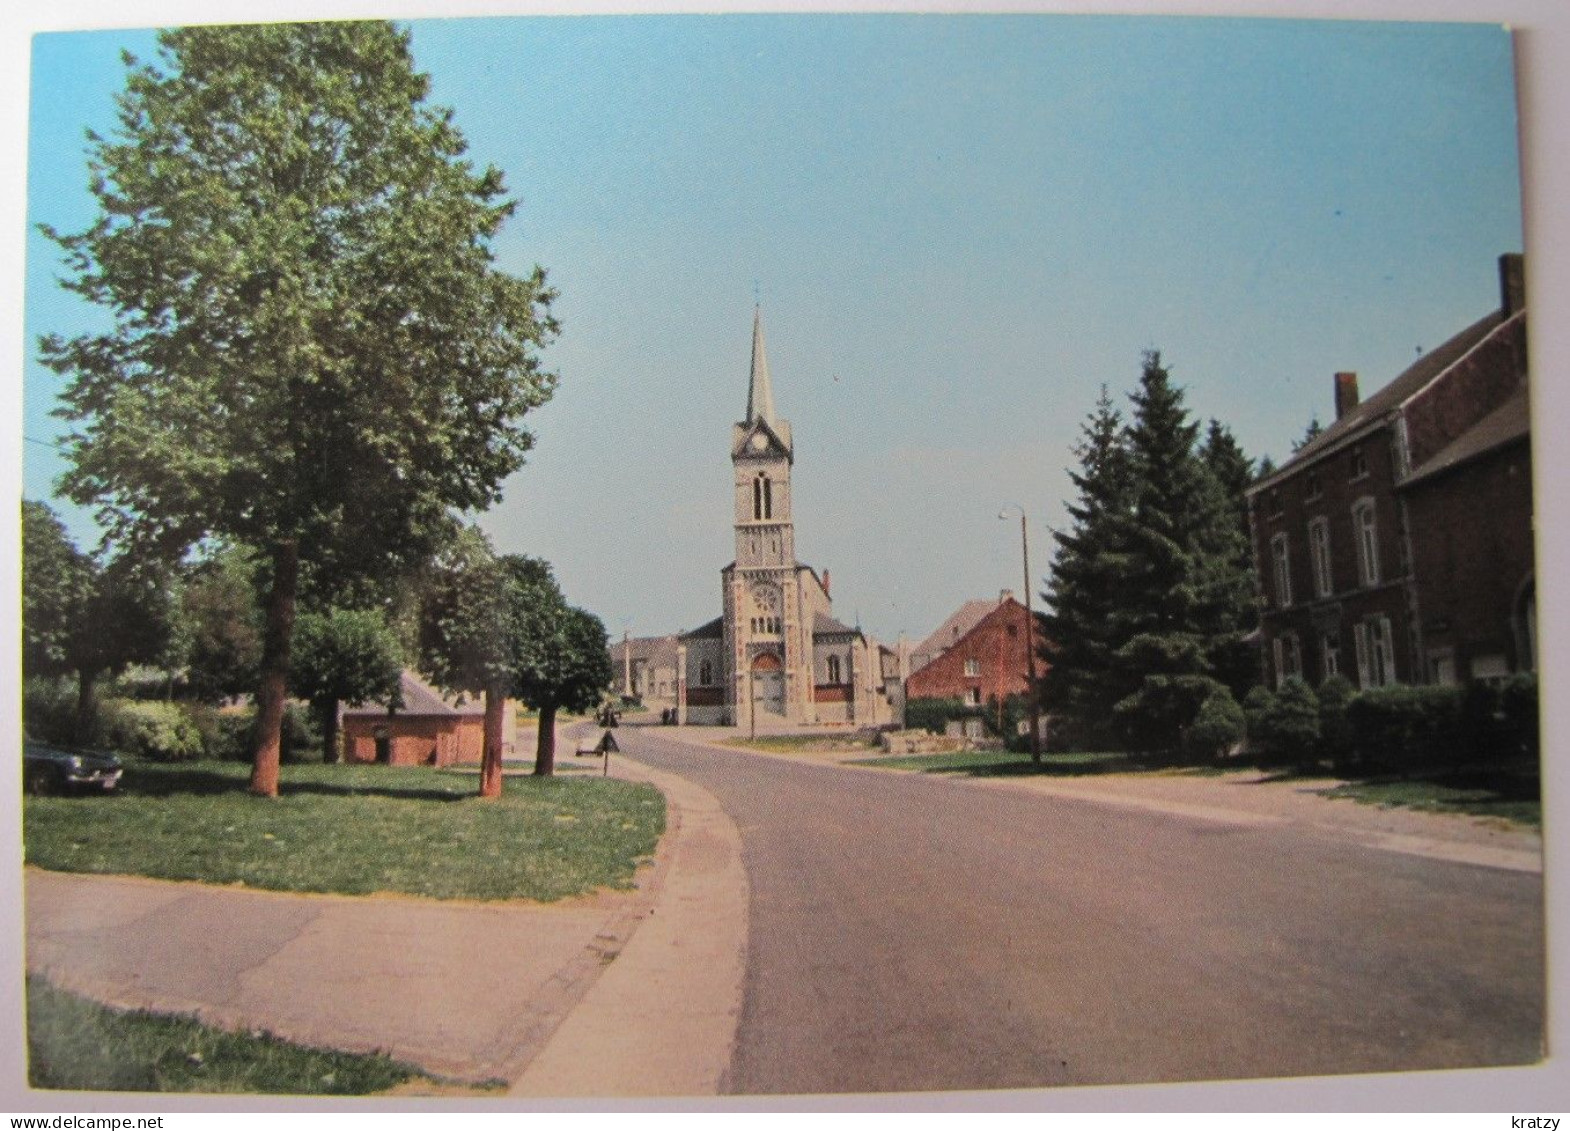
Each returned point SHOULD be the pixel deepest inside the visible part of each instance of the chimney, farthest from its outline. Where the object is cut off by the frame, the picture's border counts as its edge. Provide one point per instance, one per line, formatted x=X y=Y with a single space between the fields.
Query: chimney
x=1512 y=284
x=1346 y=393
x=1005 y=595
x=825 y=583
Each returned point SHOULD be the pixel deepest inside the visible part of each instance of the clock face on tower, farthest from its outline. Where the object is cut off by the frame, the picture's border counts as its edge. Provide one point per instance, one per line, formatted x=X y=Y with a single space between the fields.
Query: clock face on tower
x=766 y=599
x=759 y=441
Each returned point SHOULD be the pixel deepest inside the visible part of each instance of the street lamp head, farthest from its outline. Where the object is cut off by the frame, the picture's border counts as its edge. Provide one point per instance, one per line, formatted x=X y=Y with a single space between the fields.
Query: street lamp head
x=1004 y=513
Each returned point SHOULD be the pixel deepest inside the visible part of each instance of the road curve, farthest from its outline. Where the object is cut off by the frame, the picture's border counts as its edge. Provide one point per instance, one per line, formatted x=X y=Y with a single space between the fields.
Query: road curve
x=913 y=932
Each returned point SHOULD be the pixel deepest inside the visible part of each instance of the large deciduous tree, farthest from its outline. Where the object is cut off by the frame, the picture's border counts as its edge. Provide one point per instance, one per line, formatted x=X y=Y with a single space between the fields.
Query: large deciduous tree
x=313 y=352
x=86 y=617
x=468 y=629
x=220 y=625
x=564 y=664
x=343 y=656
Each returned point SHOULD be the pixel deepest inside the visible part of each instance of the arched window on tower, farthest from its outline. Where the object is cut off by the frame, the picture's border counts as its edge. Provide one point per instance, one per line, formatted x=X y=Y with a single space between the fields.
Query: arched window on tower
x=705 y=674
x=762 y=498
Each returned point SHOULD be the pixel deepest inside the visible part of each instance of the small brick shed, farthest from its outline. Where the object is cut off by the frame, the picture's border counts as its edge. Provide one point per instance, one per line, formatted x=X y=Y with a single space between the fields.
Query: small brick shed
x=425 y=730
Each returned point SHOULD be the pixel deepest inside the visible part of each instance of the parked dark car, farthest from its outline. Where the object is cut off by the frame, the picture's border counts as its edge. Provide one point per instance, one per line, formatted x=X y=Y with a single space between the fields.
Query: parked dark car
x=48 y=770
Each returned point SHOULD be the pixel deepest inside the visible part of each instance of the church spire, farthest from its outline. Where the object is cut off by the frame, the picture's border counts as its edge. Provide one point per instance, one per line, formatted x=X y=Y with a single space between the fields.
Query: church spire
x=760 y=394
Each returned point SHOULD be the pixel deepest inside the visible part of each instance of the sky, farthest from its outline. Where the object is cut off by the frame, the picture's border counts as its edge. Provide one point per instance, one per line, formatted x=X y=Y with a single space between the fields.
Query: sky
x=958 y=228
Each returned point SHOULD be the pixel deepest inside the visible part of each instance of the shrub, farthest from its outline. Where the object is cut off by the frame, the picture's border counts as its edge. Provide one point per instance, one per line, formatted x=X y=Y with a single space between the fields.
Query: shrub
x=162 y=732
x=933 y=714
x=1289 y=728
x=1518 y=706
x=1404 y=729
x=1256 y=705
x=230 y=740
x=1217 y=728
x=1335 y=731
x=1015 y=713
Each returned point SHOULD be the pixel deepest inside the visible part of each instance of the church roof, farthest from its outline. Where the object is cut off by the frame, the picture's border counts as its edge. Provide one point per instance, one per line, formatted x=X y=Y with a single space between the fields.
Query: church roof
x=760 y=393
x=825 y=625
x=760 y=396
x=714 y=630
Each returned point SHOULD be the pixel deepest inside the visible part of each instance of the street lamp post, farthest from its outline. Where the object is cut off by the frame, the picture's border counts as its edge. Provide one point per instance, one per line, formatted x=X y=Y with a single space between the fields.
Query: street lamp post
x=1030 y=639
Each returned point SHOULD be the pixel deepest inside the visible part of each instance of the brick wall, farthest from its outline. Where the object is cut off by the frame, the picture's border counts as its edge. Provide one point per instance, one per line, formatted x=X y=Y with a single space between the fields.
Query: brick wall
x=996 y=649
x=1473 y=558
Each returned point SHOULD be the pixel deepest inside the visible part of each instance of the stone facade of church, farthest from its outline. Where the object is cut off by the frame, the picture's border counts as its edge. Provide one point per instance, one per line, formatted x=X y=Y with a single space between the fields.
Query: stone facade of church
x=776 y=657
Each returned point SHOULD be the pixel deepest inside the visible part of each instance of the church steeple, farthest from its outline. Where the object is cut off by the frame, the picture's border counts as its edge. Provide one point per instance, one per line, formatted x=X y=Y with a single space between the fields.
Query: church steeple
x=760 y=393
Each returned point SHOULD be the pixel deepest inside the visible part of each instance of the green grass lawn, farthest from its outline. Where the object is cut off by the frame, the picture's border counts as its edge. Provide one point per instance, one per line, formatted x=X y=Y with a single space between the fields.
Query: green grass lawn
x=1004 y=763
x=354 y=830
x=1473 y=800
x=807 y=743
x=76 y=1044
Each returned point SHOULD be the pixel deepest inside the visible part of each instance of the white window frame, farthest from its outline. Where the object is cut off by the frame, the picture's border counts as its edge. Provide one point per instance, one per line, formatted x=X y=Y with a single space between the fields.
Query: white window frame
x=1321 y=564
x=1281 y=560
x=973 y=696
x=1288 y=657
x=1376 y=654
x=832 y=666
x=1329 y=655
x=1365 y=530
x=973 y=669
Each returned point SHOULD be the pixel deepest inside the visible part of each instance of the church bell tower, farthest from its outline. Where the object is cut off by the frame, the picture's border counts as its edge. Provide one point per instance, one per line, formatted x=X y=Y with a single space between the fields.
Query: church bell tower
x=764 y=634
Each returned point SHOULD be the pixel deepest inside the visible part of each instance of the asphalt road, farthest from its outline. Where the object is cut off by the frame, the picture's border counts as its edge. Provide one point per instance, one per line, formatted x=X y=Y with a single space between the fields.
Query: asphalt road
x=912 y=932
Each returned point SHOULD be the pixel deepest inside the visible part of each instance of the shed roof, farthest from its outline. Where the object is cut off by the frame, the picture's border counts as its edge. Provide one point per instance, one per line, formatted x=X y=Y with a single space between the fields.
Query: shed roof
x=420 y=698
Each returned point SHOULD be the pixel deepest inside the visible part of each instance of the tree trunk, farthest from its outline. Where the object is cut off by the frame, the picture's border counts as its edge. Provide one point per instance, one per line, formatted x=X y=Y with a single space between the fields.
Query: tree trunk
x=491 y=758
x=82 y=725
x=275 y=669
x=328 y=716
x=545 y=747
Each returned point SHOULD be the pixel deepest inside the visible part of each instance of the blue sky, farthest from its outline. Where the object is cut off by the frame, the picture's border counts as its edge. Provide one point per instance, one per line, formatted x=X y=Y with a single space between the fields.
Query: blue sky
x=959 y=227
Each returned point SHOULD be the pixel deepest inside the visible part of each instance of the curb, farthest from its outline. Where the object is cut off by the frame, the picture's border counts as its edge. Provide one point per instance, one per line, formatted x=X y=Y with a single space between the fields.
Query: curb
x=660 y=1020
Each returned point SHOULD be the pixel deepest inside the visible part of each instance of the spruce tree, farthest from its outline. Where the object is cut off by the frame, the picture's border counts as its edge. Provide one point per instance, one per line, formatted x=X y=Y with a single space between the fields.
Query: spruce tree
x=1081 y=628
x=1174 y=591
x=1234 y=659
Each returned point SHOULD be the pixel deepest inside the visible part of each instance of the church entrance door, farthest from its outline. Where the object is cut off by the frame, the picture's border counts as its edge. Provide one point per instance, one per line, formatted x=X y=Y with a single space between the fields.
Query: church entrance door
x=768 y=685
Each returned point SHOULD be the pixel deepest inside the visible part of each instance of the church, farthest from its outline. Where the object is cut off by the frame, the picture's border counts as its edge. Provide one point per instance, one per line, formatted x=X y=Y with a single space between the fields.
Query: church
x=776 y=657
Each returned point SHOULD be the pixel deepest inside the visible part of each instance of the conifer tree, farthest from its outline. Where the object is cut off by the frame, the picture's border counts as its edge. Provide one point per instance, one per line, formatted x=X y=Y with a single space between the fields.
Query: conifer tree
x=1174 y=593
x=1081 y=627
x=1234 y=660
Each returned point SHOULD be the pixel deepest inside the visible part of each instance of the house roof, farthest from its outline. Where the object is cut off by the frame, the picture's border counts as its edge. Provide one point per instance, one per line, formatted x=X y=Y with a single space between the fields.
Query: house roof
x=994 y=607
x=1508 y=423
x=1411 y=381
x=655 y=651
x=947 y=634
x=420 y=698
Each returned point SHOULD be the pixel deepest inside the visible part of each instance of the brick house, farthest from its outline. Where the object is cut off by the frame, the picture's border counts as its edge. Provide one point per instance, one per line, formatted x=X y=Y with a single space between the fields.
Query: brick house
x=988 y=661
x=425 y=730
x=1397 y=545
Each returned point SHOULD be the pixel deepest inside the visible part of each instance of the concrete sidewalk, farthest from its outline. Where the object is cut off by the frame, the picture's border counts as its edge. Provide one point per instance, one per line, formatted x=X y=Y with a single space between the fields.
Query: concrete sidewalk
x=555 y=999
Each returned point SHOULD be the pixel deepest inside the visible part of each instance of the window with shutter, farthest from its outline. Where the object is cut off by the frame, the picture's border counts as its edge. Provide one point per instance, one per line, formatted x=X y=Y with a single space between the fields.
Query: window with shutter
x=1360 y=638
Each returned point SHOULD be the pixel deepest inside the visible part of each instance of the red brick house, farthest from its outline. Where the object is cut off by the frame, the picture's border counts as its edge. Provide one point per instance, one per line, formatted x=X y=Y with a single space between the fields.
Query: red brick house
x=425 y=730
x=988 y=661
x=1397 y=545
